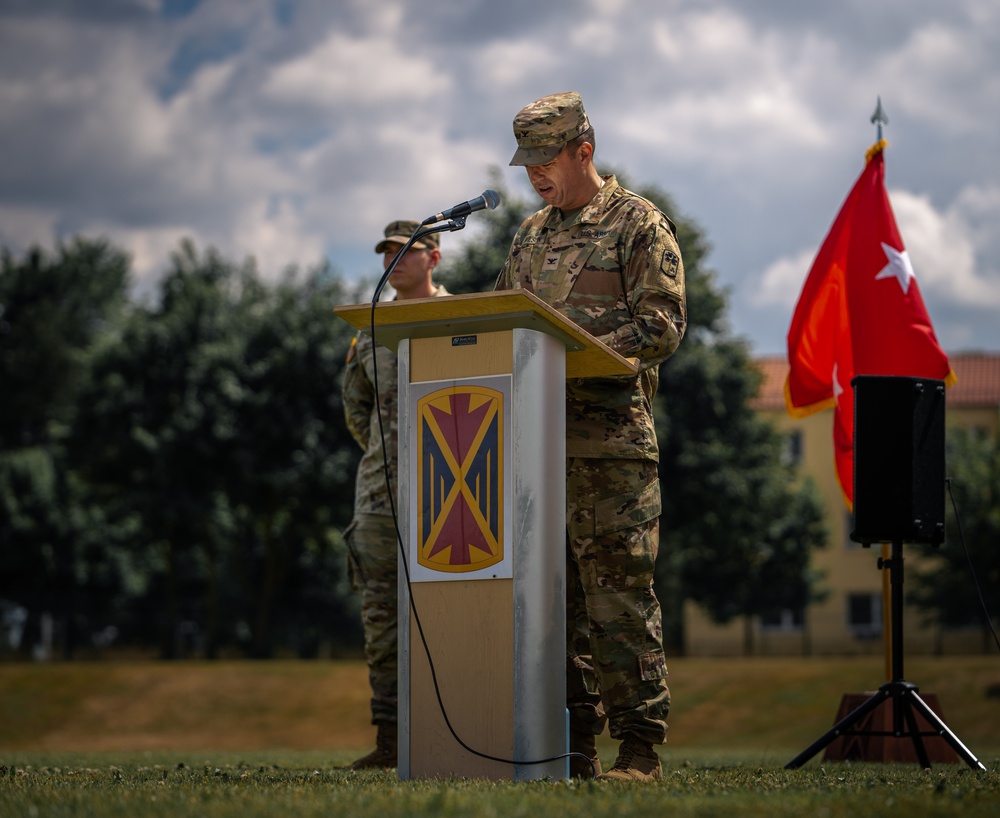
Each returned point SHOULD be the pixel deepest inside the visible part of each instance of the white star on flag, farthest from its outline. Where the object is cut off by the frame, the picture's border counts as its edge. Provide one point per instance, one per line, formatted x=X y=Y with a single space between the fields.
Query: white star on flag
x=899 y=267
x=837 y=388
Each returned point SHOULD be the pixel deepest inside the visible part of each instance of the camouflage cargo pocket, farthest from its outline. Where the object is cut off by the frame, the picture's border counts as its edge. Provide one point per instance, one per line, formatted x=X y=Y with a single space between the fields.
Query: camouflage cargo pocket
x=652 y=666
x=627 y=510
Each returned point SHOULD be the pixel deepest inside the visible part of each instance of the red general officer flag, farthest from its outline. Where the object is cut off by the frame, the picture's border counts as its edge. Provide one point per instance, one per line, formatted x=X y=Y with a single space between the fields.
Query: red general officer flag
x=860 y=313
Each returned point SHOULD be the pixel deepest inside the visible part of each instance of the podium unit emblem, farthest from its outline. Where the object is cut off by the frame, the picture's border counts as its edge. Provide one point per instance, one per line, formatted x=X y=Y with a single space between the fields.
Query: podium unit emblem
x=460 y=479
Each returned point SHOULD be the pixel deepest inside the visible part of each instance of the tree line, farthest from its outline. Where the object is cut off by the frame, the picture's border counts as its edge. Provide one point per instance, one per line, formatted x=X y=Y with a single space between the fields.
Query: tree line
x=176 y=473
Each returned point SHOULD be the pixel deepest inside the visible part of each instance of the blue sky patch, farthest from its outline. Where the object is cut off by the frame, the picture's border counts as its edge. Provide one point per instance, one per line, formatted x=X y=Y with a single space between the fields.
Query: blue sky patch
x=176 y=9
x=195 y=52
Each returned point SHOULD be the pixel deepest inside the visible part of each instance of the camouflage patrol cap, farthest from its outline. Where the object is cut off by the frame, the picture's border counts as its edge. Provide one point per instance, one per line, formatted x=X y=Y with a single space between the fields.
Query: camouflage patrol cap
x=544 y=126
x=400 y=232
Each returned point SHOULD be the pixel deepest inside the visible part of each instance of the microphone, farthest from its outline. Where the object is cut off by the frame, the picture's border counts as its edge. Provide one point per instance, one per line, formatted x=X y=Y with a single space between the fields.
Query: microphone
x=488 y=201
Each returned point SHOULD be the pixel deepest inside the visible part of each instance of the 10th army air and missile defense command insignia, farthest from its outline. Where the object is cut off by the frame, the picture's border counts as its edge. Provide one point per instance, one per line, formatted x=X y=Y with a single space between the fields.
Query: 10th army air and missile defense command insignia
x=460 y=479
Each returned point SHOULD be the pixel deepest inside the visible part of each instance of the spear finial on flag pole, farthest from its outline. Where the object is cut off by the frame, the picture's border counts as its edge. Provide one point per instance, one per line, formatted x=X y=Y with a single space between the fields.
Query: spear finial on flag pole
x=879 y=118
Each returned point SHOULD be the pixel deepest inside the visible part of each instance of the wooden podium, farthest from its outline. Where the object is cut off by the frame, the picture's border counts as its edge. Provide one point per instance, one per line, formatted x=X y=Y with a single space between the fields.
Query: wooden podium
x=481 y=504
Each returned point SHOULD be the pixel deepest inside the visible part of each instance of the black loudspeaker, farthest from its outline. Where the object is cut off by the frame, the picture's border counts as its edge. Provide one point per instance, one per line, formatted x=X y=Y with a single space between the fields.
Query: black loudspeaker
x=899 y=469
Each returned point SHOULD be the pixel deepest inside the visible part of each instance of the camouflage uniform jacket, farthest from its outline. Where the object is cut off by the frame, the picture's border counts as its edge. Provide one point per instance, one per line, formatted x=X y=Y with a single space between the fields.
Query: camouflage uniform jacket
x=371 y=495
x=615 y=269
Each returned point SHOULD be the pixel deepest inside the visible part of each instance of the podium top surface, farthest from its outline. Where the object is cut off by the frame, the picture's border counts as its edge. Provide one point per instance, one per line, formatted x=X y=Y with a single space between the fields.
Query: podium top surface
x=487 y=312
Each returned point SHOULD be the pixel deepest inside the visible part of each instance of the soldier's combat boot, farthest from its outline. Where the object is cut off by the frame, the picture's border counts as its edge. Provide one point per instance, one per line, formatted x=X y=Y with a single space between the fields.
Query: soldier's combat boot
x=585 y=744
x=384 y=754
x=637 y=761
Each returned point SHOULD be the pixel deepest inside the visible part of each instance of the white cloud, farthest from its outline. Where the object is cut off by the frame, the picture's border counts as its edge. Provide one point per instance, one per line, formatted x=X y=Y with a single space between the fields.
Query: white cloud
x=929 y=73
x=946 y=247
x=367 y=72
x=27 y=226
x=507 y=64
x=782 y=281
x=277 y=235
x=734 y=92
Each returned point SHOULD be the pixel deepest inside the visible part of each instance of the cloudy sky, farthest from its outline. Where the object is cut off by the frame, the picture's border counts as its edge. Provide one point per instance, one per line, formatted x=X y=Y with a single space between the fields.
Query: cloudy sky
x=293 y=130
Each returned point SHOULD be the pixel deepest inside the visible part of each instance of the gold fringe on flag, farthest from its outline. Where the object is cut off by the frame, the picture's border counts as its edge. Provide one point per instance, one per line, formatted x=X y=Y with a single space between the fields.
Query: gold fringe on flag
x=875 y=149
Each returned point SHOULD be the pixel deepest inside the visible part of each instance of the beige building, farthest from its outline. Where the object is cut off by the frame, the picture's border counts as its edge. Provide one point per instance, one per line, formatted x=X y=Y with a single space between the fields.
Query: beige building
x=850 y=619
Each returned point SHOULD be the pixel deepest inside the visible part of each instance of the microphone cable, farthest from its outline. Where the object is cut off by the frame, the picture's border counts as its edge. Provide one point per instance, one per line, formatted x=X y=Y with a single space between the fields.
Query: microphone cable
x=453 y=225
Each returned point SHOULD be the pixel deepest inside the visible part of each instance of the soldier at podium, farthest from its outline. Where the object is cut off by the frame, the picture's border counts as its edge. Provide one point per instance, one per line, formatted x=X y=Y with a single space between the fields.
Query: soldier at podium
x=371 y=536
x=609 y=260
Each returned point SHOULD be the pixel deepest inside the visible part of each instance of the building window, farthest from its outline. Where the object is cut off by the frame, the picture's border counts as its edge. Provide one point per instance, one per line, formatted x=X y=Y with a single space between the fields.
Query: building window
x=786 y=620
x=791 y=448
x=864 y=615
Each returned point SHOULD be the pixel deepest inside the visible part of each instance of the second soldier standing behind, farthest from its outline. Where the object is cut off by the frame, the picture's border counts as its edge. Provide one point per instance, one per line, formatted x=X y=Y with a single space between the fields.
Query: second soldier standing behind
x=371 y=536
x=609 y=260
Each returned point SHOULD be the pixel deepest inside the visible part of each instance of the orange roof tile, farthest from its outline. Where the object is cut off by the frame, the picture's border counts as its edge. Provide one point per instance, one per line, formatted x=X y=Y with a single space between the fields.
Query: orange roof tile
x=978 y=380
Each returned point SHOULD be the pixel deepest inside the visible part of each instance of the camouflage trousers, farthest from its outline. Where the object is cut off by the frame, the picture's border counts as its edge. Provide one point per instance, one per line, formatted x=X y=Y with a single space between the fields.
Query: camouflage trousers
x=616 y=669
x=372 y=556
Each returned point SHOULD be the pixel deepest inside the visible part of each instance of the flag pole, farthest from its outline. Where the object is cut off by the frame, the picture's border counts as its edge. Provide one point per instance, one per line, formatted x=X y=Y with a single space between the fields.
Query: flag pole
x=878 y=119
x=884 y=563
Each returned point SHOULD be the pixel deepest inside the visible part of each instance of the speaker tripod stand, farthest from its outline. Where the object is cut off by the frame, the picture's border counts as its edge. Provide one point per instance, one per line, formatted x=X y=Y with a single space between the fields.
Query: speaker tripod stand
x=906 y=701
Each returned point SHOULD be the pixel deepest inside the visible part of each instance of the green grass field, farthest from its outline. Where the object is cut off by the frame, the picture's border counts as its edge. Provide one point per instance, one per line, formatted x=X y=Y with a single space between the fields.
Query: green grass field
x=272 y=738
